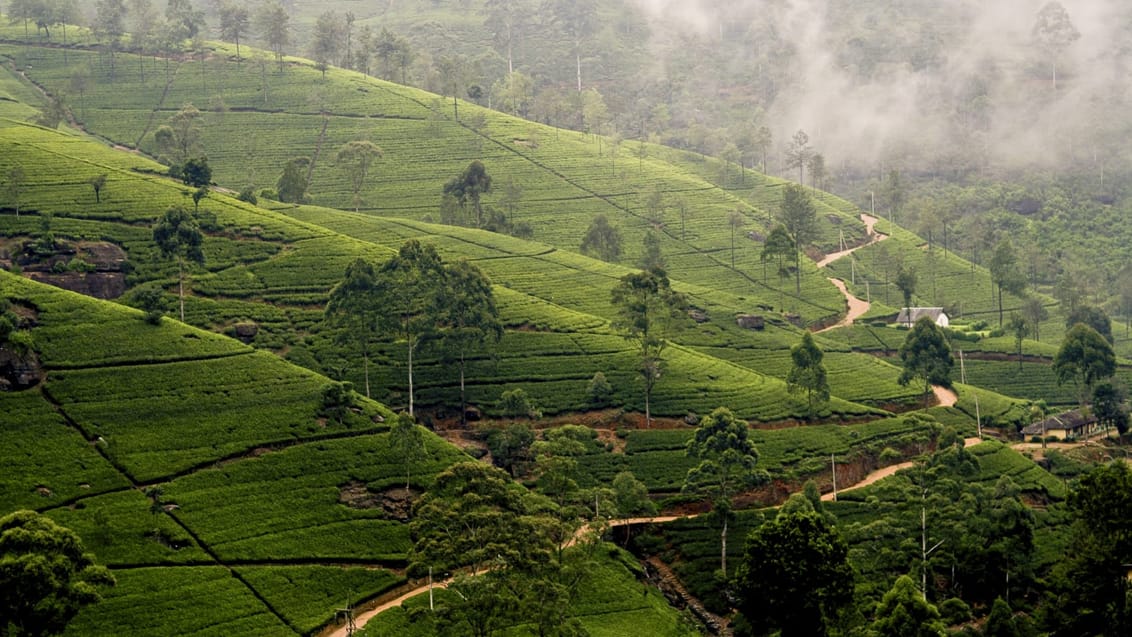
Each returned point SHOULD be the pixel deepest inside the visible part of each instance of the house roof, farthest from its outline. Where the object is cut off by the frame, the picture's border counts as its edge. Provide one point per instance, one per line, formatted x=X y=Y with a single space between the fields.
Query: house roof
x=918 y=312
x=1066 y=421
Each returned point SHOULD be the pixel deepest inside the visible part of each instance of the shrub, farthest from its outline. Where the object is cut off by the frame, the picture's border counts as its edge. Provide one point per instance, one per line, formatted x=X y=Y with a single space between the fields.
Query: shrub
x=599 y=391
x=954 y=611
x=248 y=195
x=888 y=454
x=516 y=403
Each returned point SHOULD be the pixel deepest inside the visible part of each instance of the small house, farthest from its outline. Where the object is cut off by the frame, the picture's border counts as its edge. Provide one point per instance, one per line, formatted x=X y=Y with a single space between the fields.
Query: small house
x=909 y=315
x=1070 y=424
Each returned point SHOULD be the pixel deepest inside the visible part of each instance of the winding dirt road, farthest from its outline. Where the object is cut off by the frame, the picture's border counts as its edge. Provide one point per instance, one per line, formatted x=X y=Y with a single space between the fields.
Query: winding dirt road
x=381 y=606
x=881 y=474
x=857 y=307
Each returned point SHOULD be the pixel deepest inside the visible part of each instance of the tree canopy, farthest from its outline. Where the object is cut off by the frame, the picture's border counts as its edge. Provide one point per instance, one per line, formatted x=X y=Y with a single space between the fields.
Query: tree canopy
x=1084 y=358
x=647 y=308
x=46 y=576
x=926 y=356
x=795 y=574
x=807 y=372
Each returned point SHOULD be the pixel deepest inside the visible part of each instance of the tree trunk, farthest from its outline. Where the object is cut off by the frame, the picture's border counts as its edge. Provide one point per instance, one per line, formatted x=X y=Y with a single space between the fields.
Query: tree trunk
x=463 y=400
x=723 y=548
x=1000 y=305
x=798 y=270
x=365 y=358
x=181 y=285
x=412 y=344
x=648 y=414
x=578 y=63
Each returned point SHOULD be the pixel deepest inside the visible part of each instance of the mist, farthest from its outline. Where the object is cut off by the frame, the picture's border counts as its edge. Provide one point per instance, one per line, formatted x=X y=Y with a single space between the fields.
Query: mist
x=925 y=82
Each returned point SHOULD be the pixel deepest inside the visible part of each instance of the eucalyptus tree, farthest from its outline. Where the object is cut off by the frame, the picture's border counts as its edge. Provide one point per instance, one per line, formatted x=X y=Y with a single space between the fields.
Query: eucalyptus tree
x=234 y=23
x=1053 y=32
x=726 y=465
x=798 y=154
x=735 y=220
x=352 y=306
x=274 y=28
x=647 y=309
x=406 y=291
x=468 y=317
x=326 y=43
x=800 y=218
x=577 y=19
x=807 y=372
x=778 y=247
x=1005 y=273
x=178 y=236
x=355 y=158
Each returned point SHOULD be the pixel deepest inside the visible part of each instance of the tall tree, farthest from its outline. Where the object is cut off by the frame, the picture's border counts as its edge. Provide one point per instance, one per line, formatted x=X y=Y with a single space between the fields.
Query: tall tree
x=1034 y=311
x=798 y=154
x=893 y=194
x=727 y=459
x=178 y=236
x=1005 y=273
x=1053 y=32
x=110 y=26
x=406 y=293
x=735 y=221
x=906 y=283
x=647 y=308
x=407 y=441
x=469 y=186
x=577 y=19
x=234 y=24
x=274 y=27
x=602 y=240
x=97 y=182
x=807 y=372
x=779 y=246
x=801 y=220
x=505 y=20
x=46 y=575
x=355 y=158
x=1019 y=328
x=1084 y=358
x=14 y=186
x=651 y=257
x=326 y=43
x=468 y=316
x=353 y=307
x=185 y=21
x=925 y=355
x=795 y=574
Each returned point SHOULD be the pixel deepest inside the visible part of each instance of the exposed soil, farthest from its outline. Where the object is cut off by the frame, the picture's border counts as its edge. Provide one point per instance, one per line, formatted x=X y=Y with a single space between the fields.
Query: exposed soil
x=105 y=280
x=396 y=502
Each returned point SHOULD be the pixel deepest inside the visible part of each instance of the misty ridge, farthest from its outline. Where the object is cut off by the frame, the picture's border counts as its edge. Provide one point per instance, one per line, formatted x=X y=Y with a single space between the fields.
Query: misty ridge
x=931 y=86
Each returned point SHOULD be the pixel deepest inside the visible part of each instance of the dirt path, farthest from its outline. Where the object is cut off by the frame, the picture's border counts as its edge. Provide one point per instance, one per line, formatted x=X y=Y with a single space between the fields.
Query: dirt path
x=881 y=474
x=857 y=307
x=944 y=396
x=381 y=606
x=870 y=232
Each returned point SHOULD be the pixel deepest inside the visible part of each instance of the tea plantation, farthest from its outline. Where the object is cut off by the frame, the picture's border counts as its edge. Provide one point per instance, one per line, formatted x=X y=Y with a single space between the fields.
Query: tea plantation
x=203 y=467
